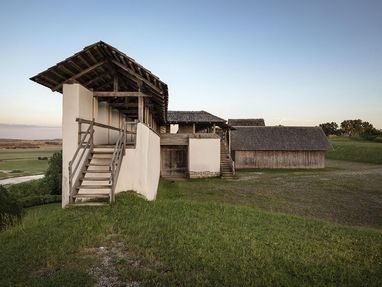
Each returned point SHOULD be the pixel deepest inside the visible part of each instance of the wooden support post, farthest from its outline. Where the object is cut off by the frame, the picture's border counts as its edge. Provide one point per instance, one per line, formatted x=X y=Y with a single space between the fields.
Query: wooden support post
x=115 y=83
x=214 y=129
x=193 y=128
x=79 y=133
x=140 y=109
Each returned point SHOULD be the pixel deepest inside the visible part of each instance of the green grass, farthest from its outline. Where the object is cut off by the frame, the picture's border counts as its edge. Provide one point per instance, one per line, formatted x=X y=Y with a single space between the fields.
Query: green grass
x=261 y=229
x=268 y=227
x=180 y=242
x=355 y=149
x=20 y=162
x=344 y=192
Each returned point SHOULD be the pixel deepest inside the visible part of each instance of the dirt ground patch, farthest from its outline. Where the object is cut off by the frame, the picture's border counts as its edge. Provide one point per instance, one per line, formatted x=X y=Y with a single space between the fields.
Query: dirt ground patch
x=105 y=269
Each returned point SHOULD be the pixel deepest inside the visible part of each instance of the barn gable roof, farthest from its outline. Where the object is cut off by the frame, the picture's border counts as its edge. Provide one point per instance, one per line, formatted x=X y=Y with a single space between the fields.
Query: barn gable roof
x=279 y=138
x=246 y=122
x=189 y=117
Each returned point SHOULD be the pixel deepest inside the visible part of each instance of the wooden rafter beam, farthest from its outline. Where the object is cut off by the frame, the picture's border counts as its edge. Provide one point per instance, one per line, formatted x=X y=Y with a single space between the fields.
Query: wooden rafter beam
x=128 y=105
x=94 y=80
x=84 y=60
x=147 y=82
x=56 y=74
x=119 y=94
x=76 y=76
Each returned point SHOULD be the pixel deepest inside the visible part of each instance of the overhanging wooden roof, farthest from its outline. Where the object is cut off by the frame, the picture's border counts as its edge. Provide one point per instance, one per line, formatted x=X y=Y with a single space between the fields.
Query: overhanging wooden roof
x=97 y=66
x=279 y=138
x=187 y=117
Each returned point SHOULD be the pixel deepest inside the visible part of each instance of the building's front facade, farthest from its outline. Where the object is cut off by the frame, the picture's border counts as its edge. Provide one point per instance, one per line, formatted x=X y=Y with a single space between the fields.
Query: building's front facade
x=113 y=109
x=193 y=145
x=278 y=147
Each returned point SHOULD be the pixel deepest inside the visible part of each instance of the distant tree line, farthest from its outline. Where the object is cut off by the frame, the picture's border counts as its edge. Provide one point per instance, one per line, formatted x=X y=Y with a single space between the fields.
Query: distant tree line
x=352 y=128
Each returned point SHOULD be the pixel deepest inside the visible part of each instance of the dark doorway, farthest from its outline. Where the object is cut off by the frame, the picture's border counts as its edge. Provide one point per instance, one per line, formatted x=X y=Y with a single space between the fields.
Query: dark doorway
x=174 y=161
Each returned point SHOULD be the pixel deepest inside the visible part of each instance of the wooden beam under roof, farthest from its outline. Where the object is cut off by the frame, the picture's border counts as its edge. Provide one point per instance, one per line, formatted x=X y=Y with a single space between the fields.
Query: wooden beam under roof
x=147 y=82
x=99 y=77
x=56 y=74
x=76 y=76
x=119 y=94
x=83 y=60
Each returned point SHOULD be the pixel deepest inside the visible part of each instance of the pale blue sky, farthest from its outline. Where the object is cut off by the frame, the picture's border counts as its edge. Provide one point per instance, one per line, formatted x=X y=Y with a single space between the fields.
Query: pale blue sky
x=290 y=62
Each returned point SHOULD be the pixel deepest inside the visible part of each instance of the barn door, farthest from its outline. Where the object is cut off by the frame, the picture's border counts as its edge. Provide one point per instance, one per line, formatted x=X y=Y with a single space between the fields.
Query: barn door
x=174 y=161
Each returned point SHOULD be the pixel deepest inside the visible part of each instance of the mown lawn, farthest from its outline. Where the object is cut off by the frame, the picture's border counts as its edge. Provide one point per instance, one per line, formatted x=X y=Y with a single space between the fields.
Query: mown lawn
x=344 y=192
x=356 y=149
x=211 y=232
x=20 y=162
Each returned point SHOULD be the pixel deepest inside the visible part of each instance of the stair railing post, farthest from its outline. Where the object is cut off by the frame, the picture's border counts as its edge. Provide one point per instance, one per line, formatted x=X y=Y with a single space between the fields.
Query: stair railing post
x=70 y=183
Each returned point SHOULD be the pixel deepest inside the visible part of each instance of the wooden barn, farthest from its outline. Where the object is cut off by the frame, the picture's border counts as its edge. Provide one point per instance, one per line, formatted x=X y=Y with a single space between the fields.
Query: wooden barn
x=278 y=147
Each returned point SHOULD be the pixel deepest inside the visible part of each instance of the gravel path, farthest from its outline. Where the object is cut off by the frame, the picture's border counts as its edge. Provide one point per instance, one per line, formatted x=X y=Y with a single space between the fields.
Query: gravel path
x=20 y=179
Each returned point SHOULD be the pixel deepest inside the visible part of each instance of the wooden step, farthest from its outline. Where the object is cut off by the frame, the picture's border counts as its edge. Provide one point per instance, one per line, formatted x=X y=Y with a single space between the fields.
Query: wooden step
x=96 y=179
x=104 y=160
x=102 y=152
x=104 y=146
x=78 y=204
x=94 y=187
x=97 y=171
x=91 y=195
x=97 y=164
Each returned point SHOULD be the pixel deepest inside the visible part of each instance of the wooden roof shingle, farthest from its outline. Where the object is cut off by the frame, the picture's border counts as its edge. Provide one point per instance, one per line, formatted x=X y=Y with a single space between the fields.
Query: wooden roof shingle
x=279 y=138
x=246 y=122
x=185 y=117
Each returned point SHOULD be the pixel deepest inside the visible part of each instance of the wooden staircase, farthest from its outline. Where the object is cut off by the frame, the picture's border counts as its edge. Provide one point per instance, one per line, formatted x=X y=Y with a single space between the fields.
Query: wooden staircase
x=95 y=180
x=226 y=164
x=94 y=169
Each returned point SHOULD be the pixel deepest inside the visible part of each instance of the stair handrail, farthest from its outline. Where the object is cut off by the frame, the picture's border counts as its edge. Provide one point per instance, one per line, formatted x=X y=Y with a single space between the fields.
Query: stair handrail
x=116 y=161
x=86 y=145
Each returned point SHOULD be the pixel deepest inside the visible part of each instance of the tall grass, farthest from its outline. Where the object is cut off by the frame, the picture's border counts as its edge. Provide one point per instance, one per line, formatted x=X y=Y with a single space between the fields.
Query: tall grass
x=354 y=149
x=188 y=243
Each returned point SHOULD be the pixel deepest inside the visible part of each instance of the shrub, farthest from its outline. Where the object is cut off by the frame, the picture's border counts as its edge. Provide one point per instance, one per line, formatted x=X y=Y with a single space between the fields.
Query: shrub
x=29 y=188
x=34 y=200
x=53 y=176
x=370 y=134
x=10 y=209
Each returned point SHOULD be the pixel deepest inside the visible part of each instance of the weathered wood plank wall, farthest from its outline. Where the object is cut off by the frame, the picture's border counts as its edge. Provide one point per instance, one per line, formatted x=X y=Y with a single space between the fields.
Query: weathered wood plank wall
x=279 y=159
x=174 y=161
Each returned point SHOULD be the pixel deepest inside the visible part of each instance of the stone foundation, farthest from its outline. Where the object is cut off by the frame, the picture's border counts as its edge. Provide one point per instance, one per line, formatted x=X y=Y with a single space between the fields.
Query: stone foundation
x=201 y=174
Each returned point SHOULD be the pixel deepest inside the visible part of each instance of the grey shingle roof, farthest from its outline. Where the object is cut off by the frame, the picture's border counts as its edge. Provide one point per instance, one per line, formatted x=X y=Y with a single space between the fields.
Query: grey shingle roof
x=174 y=117
x=279 y=138
x=246 y=122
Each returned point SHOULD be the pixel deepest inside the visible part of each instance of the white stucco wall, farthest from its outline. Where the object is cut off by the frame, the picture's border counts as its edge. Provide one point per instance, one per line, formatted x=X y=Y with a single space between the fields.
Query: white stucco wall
x=140 y=169
x=101 y=135
x=77 y=102
x=203 y=157
x=115 y=122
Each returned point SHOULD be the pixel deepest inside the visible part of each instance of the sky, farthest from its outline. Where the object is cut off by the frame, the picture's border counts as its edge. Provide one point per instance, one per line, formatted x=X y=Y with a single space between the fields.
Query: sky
x=289 y=62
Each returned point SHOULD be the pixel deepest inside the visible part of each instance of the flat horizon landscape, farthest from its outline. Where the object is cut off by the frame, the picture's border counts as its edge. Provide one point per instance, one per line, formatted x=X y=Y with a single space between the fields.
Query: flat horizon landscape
x=29 y=132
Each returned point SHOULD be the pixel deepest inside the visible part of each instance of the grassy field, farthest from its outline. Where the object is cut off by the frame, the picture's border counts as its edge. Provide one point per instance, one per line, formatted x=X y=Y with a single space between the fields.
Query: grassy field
x=20 y=162
x=265 y=228
x=355 y=149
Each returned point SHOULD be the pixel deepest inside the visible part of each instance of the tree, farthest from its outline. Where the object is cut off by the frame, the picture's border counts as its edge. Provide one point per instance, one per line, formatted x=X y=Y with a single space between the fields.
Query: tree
x=53 y=175
x=352 y=127
x=330 y=128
